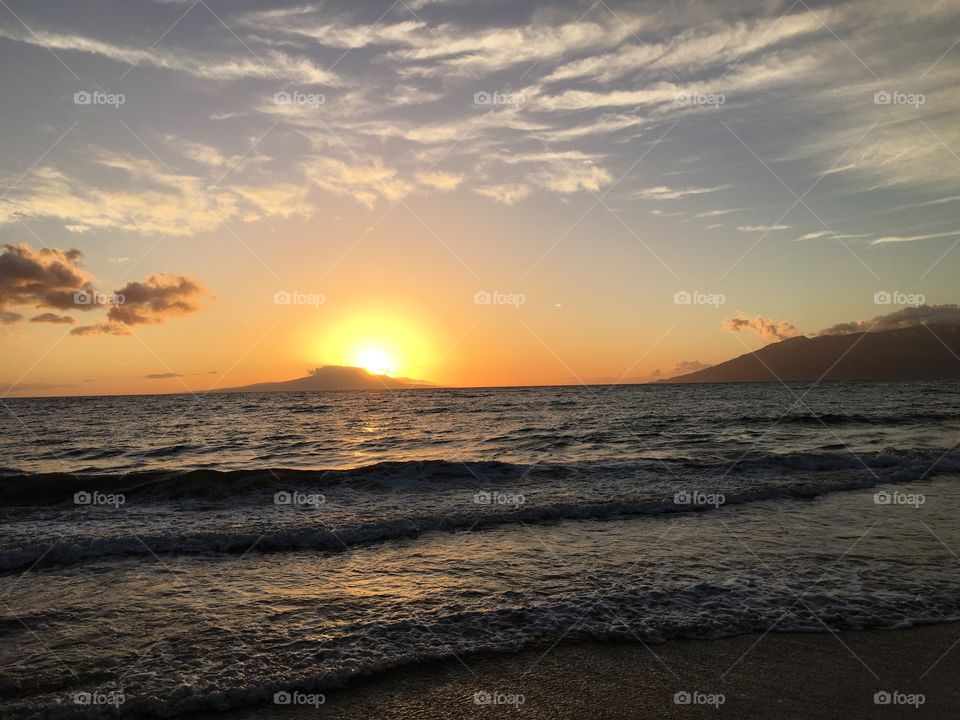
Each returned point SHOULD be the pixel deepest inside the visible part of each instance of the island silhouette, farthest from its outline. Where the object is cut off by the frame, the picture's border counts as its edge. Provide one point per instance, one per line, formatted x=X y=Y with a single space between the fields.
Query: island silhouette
x=333 y=377
x=921 y=352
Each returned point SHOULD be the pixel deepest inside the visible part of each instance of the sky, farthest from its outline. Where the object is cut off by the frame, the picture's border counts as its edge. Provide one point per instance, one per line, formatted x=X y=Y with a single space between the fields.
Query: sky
x=197 y=195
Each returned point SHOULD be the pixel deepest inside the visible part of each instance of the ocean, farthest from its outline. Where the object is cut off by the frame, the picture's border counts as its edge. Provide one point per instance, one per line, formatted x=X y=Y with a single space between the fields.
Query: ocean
x=162 y=555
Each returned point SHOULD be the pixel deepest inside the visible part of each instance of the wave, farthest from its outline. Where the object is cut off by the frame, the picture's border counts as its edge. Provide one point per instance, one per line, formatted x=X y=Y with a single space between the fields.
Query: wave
x=635 y=614
x=321 y=538
x=831 y=419
x=27 y=489
x=18 y=489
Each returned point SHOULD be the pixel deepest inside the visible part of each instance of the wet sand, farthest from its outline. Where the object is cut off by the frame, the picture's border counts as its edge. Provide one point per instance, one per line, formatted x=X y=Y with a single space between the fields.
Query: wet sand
x=778 y=675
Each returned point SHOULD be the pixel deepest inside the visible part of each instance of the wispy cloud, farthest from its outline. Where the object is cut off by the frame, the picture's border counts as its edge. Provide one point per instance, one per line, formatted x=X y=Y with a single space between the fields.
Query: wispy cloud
x=662 y=192
x=761 y=228
x=508 y=193
x=271 y=64
x=913 y=238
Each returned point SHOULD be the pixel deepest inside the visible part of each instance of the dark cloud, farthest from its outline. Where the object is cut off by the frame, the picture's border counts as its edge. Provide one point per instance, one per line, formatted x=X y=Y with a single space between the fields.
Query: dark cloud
x=768 y=330
x=107 y=328
x=54 y=278
x=44 y=278
x=156 y=298
x=53 y=318
x=149 y=302
x=162 y=376
x=905 y=317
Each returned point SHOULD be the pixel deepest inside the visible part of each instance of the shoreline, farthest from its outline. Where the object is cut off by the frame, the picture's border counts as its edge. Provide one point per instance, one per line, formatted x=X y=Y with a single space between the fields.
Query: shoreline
x=777 y=675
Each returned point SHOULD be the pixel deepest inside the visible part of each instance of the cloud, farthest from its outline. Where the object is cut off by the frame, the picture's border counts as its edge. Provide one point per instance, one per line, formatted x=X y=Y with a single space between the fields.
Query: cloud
x=718 y=213
x=606 y=123
x=162 y=376
x=564 y=178
x=913 y=238
x=155 y=299
x=443 y=181
x=591 y=79
x=662 y=96
x=662 y=192
x=815 y=235
x=53 y=318
x=903 y=318
x=410 y=95
x=148 y=302
x=312 y=22
x=562 y=172
x=268 y=65
x=827 y=235
x=366 y=182
x=151 y=200
x=768 y=330
x=449 y=49
x=107 y=328
x=9 y=318
x=202 y=153
x=26 y=387
x=280 y=199
x=508 y=193
x=762 y=228
x=688 y=366
x=691 y=50
x=44 y=278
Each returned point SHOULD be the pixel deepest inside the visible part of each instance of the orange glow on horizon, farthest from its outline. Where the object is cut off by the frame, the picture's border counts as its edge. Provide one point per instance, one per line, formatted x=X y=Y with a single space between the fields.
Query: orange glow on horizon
x=380 y=342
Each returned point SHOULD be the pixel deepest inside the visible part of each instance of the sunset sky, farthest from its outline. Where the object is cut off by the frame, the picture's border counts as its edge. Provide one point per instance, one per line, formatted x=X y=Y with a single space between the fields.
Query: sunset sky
x=469 y=193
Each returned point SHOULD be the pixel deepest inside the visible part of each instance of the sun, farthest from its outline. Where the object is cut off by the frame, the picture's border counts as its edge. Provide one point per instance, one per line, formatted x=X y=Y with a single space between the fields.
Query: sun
x=375 y=360
x=396 y=342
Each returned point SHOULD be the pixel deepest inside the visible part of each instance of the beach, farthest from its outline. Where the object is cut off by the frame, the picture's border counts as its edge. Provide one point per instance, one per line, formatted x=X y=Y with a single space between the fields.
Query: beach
x=777 y=675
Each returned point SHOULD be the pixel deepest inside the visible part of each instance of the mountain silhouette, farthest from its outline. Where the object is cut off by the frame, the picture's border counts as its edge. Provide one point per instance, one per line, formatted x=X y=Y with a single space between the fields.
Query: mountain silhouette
x=333 y=377
x=922 y=352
